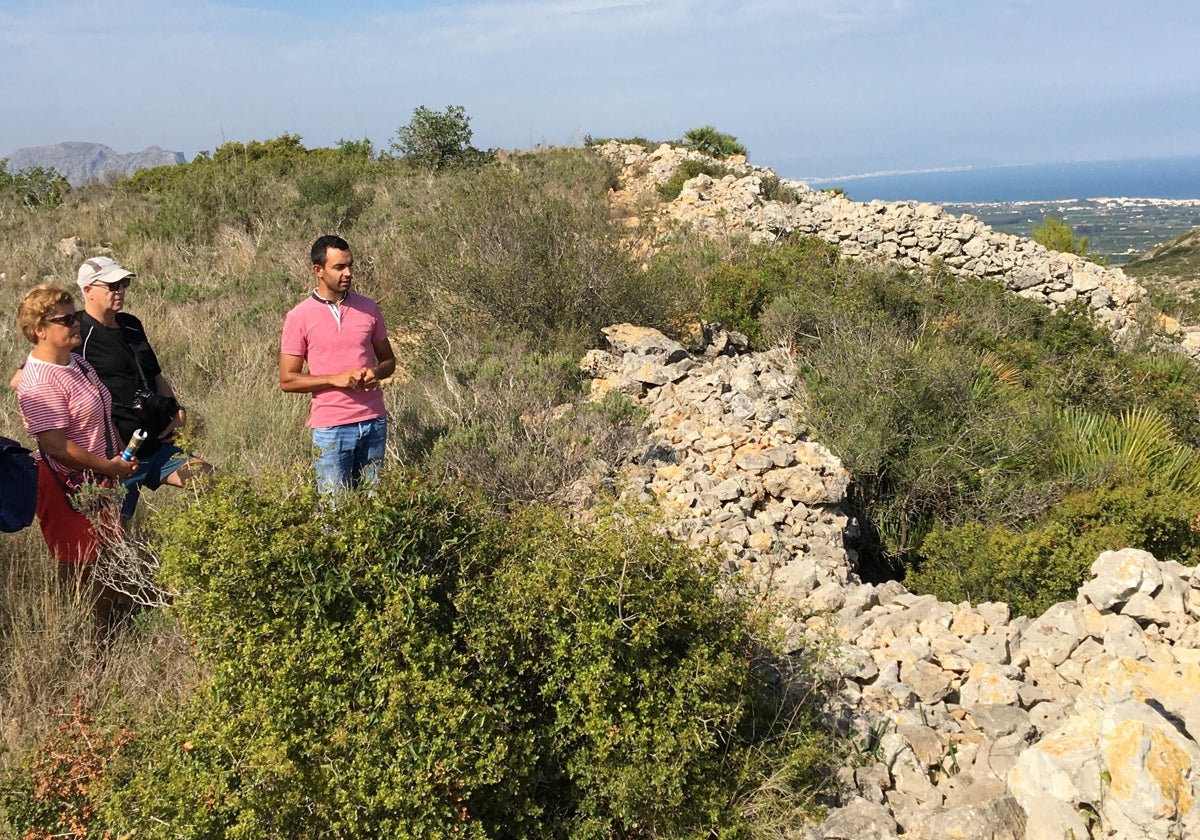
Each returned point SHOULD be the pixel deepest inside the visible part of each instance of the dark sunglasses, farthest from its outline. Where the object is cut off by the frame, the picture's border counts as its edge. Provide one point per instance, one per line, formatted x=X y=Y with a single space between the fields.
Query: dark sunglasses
x=69 y=320
x=123 y=283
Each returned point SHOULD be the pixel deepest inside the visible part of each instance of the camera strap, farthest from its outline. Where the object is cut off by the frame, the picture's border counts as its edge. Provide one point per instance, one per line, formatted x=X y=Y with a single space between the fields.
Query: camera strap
x=137 y=363
x=91 y=376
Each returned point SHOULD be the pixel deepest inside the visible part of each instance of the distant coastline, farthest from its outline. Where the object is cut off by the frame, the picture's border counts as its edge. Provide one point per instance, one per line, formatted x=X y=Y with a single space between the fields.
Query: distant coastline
x=1174 y=178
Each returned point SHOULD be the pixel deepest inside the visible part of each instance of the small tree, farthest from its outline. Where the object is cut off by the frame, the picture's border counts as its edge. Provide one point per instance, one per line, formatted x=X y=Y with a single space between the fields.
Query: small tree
x=362 y=149
x=713 y=143
x=435 y=139
x=1057 y=235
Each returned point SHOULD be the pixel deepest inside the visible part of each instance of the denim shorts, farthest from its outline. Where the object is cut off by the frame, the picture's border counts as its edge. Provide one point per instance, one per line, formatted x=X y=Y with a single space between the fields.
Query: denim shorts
x=349 y=455
x=151 y=473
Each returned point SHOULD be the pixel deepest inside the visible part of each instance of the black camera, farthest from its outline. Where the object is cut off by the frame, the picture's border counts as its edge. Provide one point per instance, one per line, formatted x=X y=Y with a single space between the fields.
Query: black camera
x=152 y=405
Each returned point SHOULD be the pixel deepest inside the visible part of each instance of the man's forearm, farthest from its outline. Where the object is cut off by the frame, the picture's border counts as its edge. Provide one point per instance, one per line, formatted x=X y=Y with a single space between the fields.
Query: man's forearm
x=307 y=383
x=385 y=368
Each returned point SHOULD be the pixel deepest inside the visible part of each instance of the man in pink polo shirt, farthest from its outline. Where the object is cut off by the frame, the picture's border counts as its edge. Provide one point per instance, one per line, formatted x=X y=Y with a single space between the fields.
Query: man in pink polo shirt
x=339 y=335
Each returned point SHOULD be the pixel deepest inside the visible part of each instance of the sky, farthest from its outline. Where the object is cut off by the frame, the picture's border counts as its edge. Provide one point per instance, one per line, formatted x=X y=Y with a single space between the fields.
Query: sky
x=813 y=88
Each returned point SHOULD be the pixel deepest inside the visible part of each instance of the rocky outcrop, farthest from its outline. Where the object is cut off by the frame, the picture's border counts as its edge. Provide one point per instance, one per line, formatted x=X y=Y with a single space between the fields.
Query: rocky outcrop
x=970 y=723
x=910 y=234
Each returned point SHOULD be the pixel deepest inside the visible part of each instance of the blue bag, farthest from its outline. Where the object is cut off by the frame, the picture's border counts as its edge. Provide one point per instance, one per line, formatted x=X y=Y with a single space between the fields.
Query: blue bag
x=18 y=486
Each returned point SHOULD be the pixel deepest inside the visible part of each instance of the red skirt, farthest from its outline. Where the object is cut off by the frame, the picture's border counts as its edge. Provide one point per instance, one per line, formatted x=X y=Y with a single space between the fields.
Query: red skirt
x=70 y=536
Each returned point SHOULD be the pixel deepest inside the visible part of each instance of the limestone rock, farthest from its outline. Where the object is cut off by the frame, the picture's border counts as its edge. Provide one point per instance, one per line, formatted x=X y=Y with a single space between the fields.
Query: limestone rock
x=859 y=820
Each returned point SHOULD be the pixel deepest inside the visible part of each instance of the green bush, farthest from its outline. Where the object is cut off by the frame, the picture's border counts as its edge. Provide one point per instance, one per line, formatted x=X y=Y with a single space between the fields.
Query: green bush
x=1034 y=568
x=911 y=388
x=1057 y=235
x=34 y=187
x=191 y=202
x=334 y=193
x=407 y=666
x=946 y=398
x=773 y=189
x=650 y=700
x=255 y=186
x=670 y=189
x=713 y=143
x=739 y=291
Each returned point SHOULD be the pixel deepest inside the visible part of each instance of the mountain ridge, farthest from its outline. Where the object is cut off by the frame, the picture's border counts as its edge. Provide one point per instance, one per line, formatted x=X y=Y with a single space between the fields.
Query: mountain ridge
x=82 y=162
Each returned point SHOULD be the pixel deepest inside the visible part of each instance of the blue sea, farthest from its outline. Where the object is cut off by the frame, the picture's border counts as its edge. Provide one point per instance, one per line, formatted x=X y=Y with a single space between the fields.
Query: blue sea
x=1161 y=178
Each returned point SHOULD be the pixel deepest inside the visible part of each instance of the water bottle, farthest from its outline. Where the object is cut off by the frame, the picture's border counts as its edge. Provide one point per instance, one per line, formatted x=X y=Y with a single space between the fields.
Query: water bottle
x=135 y=441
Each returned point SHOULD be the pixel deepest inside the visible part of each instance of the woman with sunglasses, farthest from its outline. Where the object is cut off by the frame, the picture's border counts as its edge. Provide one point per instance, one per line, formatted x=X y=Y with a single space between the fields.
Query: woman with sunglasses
x=66 y=409
x=116 y=345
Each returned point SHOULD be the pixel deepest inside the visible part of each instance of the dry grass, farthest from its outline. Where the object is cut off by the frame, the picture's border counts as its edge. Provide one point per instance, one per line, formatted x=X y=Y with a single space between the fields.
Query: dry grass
x=50 y=653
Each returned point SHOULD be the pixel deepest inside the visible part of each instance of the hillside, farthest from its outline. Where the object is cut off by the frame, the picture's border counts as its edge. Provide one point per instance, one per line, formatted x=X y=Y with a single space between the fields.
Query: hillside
x=1178 y=259
x=1171 y=273
x=903 y=438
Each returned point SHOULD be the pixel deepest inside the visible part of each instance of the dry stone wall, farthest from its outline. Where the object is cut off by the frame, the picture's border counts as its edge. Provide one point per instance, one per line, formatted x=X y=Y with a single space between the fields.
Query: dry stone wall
x=1081 y=723
x=910 y=234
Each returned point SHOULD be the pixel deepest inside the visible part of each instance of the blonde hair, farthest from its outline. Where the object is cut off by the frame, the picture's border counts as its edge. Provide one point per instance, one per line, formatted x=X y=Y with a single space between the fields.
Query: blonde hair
x=38 y=306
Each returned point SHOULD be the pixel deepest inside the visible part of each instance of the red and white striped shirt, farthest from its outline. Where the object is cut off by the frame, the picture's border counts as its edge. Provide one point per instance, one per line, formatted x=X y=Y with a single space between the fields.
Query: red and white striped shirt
x=70 y=397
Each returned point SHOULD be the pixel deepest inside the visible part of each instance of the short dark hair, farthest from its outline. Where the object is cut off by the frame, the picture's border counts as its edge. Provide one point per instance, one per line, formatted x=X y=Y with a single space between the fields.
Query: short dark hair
x=323 y=244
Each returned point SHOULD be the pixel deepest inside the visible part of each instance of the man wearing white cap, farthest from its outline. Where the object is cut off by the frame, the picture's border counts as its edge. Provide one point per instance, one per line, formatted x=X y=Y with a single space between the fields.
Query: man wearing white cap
x=115 y=344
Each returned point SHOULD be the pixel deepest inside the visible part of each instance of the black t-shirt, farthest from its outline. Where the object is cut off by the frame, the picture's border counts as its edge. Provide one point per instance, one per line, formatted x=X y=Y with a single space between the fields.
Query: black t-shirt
x=115 y=353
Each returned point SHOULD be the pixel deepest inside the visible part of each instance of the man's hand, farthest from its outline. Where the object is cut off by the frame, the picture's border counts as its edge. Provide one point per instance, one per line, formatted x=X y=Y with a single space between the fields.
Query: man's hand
x=369 y=380
x=177 y=422
x=351 y=379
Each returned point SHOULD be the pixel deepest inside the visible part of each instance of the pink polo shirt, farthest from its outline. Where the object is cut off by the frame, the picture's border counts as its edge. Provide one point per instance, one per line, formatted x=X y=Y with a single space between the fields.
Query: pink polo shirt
x=333 y=338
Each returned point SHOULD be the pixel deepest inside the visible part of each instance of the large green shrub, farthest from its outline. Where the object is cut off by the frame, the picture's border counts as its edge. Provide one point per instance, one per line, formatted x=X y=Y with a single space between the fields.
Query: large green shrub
x=334 y=192
x=945 y=398
x=643 y=689
x=1045 y=563
x=919 y=387
x=254 y=186
x=740 y=290
x=407 y=666
x=1057 y=235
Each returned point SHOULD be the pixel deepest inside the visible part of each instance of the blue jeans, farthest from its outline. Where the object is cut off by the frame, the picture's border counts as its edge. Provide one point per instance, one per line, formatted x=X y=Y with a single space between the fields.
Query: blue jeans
x=349 y=455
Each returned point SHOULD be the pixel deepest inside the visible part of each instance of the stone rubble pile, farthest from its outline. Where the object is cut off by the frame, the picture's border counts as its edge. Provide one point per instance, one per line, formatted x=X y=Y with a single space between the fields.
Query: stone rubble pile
x=727 y=465
x=1081 y=723
x=910 y=234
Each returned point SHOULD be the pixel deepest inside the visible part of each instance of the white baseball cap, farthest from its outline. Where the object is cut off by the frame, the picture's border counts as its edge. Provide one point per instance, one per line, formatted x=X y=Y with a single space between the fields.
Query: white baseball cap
x=101 y=270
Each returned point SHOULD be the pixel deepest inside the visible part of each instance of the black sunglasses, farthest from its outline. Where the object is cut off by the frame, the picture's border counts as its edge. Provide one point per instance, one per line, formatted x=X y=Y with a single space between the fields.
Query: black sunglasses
x=123 y=283
x=69 y=320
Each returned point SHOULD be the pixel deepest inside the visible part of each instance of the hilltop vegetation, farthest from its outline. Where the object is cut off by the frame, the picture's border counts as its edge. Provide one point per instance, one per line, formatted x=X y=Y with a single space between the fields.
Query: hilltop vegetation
x=1179 y=258
x=456 y=655
x=1171 y=271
